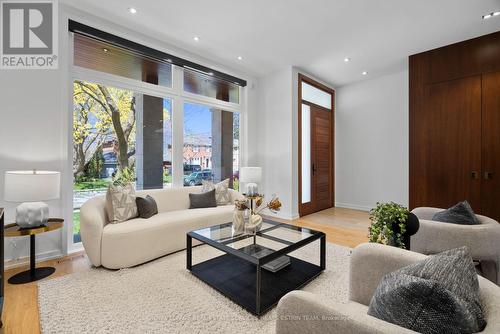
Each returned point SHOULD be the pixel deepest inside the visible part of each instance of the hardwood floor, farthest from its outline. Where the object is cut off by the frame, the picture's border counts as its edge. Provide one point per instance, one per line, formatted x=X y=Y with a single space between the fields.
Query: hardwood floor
x=20 y=313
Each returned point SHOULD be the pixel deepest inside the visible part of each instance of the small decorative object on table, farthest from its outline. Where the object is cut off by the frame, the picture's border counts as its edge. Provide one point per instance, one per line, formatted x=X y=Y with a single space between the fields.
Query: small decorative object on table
x=251 y=176
x=392 y=224
x=240 y=206
x=248 y=210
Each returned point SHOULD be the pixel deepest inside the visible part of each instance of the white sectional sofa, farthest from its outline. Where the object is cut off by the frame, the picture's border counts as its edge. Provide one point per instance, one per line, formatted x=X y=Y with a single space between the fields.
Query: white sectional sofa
x=138 y=240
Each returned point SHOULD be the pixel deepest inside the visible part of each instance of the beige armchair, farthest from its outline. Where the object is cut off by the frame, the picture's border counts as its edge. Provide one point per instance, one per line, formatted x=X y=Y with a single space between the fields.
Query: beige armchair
x=483 y=239
x=304 y=312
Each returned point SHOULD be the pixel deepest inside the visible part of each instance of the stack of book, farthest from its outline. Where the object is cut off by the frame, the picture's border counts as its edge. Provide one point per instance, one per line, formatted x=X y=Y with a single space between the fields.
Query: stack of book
x=277 y=264
x=260 y=251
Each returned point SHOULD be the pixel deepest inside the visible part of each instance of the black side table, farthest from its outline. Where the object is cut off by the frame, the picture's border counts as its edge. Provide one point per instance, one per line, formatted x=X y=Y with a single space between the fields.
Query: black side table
x=2 y=259
x=33 y=274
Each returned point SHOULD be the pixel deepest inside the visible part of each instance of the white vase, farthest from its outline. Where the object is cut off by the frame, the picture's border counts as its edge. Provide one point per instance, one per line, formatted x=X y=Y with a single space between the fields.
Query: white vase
x=254 y=223
x=238 y=221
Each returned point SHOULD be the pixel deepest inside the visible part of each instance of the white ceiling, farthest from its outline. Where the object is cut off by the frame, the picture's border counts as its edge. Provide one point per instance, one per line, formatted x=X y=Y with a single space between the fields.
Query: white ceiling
x=315 y=35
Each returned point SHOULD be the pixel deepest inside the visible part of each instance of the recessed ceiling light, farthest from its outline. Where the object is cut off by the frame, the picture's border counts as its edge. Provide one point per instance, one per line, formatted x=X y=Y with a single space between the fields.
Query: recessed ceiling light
x=211 y=73
x=196 y=38
x=347 y=59
x=240 y=58
x=487 y=16
x=496 y=13
x=364 y=73
x=132 y=10
x=105 y=50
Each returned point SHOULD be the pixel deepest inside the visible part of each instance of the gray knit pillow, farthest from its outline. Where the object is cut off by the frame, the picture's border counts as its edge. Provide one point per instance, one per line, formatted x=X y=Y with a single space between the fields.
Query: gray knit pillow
x=461 y=213
x=437 y=295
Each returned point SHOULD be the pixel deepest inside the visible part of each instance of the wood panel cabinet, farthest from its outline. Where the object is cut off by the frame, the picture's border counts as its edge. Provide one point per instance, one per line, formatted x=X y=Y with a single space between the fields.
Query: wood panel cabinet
x=490 y=186
x=455 y=126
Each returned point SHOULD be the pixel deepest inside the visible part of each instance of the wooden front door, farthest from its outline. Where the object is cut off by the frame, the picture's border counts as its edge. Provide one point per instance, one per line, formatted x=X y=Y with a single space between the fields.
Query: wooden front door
x=321 y=144
x=446 y=163
x=490 y=188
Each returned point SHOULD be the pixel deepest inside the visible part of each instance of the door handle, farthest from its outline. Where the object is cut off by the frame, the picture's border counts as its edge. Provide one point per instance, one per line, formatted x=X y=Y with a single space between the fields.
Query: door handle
x=313 y=169
x=488 y=175
x=474 y=175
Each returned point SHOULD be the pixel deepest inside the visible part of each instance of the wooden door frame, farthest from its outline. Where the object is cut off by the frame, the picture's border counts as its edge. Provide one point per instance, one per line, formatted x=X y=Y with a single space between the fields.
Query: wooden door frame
x=314 y=83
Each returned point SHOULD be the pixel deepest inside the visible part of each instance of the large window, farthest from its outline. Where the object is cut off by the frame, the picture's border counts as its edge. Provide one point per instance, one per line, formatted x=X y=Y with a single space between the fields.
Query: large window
x=125 y=109
x=211 y=145
x=118 y=134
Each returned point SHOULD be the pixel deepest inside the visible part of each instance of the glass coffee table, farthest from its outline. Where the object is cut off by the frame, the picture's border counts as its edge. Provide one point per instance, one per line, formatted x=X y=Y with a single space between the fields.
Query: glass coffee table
x=255 y=270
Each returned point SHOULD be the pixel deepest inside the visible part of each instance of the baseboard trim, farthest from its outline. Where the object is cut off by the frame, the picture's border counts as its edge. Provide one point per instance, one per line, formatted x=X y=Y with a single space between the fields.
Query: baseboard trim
x=25 y=260
x=352 y=206
x=281 y=216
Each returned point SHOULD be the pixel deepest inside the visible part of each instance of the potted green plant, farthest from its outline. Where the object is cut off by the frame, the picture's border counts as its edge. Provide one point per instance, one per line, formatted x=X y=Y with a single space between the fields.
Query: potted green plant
x=392 y=224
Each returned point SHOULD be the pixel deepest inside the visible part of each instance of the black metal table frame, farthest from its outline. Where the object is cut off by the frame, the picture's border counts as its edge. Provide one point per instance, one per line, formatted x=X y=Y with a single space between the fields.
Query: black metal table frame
x=34 y=273
x=259 y=262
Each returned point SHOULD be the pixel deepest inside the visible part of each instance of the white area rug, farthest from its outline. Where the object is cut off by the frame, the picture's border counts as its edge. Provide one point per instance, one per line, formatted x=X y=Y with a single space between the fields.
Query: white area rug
x=163 y=297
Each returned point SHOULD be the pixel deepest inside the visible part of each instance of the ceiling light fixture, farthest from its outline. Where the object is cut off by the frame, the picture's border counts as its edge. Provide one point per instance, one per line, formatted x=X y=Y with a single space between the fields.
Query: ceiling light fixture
x=196 y=38
x=347 y=59
x=364 y=73
x=490 y=15
x=132 y=10
x=210 y=73
x=105 y=50
x=240 y=58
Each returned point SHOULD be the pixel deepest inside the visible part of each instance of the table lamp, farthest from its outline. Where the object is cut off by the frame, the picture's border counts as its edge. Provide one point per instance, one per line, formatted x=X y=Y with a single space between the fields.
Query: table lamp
x=251 y=176
x=30 y=188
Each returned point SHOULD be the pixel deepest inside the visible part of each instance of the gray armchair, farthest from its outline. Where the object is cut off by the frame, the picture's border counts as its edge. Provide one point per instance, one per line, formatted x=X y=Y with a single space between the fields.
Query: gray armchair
x=483 y=240
x=304 y=312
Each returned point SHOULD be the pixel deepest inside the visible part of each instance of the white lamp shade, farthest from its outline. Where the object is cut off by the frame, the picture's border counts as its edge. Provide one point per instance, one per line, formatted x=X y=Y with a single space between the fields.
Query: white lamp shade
x=250 y=174
x=31 y=186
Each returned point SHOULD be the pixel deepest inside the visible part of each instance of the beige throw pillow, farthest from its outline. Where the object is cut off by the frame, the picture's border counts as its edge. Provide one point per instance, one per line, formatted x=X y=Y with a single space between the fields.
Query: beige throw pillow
x=120 y=203
x=222 y=195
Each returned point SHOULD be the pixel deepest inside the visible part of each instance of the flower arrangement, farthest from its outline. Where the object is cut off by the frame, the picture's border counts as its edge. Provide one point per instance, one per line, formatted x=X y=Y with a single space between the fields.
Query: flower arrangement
x=274 y=205
x=254 y=220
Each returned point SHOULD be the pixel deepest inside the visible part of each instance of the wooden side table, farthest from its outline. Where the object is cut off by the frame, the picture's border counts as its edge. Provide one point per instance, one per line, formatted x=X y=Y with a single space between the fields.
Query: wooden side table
x=33 y=274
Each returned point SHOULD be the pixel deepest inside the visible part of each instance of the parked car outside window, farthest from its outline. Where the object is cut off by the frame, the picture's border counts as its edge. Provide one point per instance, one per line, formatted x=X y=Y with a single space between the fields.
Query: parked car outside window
x=188 y=169
x=194 y=179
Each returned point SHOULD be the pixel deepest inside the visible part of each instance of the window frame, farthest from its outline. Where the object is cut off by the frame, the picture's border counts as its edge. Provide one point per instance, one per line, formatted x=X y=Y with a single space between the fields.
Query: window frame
x=178 y=97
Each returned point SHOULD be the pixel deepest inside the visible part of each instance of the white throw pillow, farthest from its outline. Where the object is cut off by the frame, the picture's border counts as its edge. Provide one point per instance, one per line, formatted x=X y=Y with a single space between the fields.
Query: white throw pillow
x=120 y=203
x=222 y=195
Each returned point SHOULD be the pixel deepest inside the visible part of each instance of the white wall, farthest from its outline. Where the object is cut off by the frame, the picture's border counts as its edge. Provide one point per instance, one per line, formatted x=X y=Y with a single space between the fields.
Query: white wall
x=30 y=137
x=35 y=127
x=276 y=129
x=273 y=134
x=371 y=139
x=33 y=136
